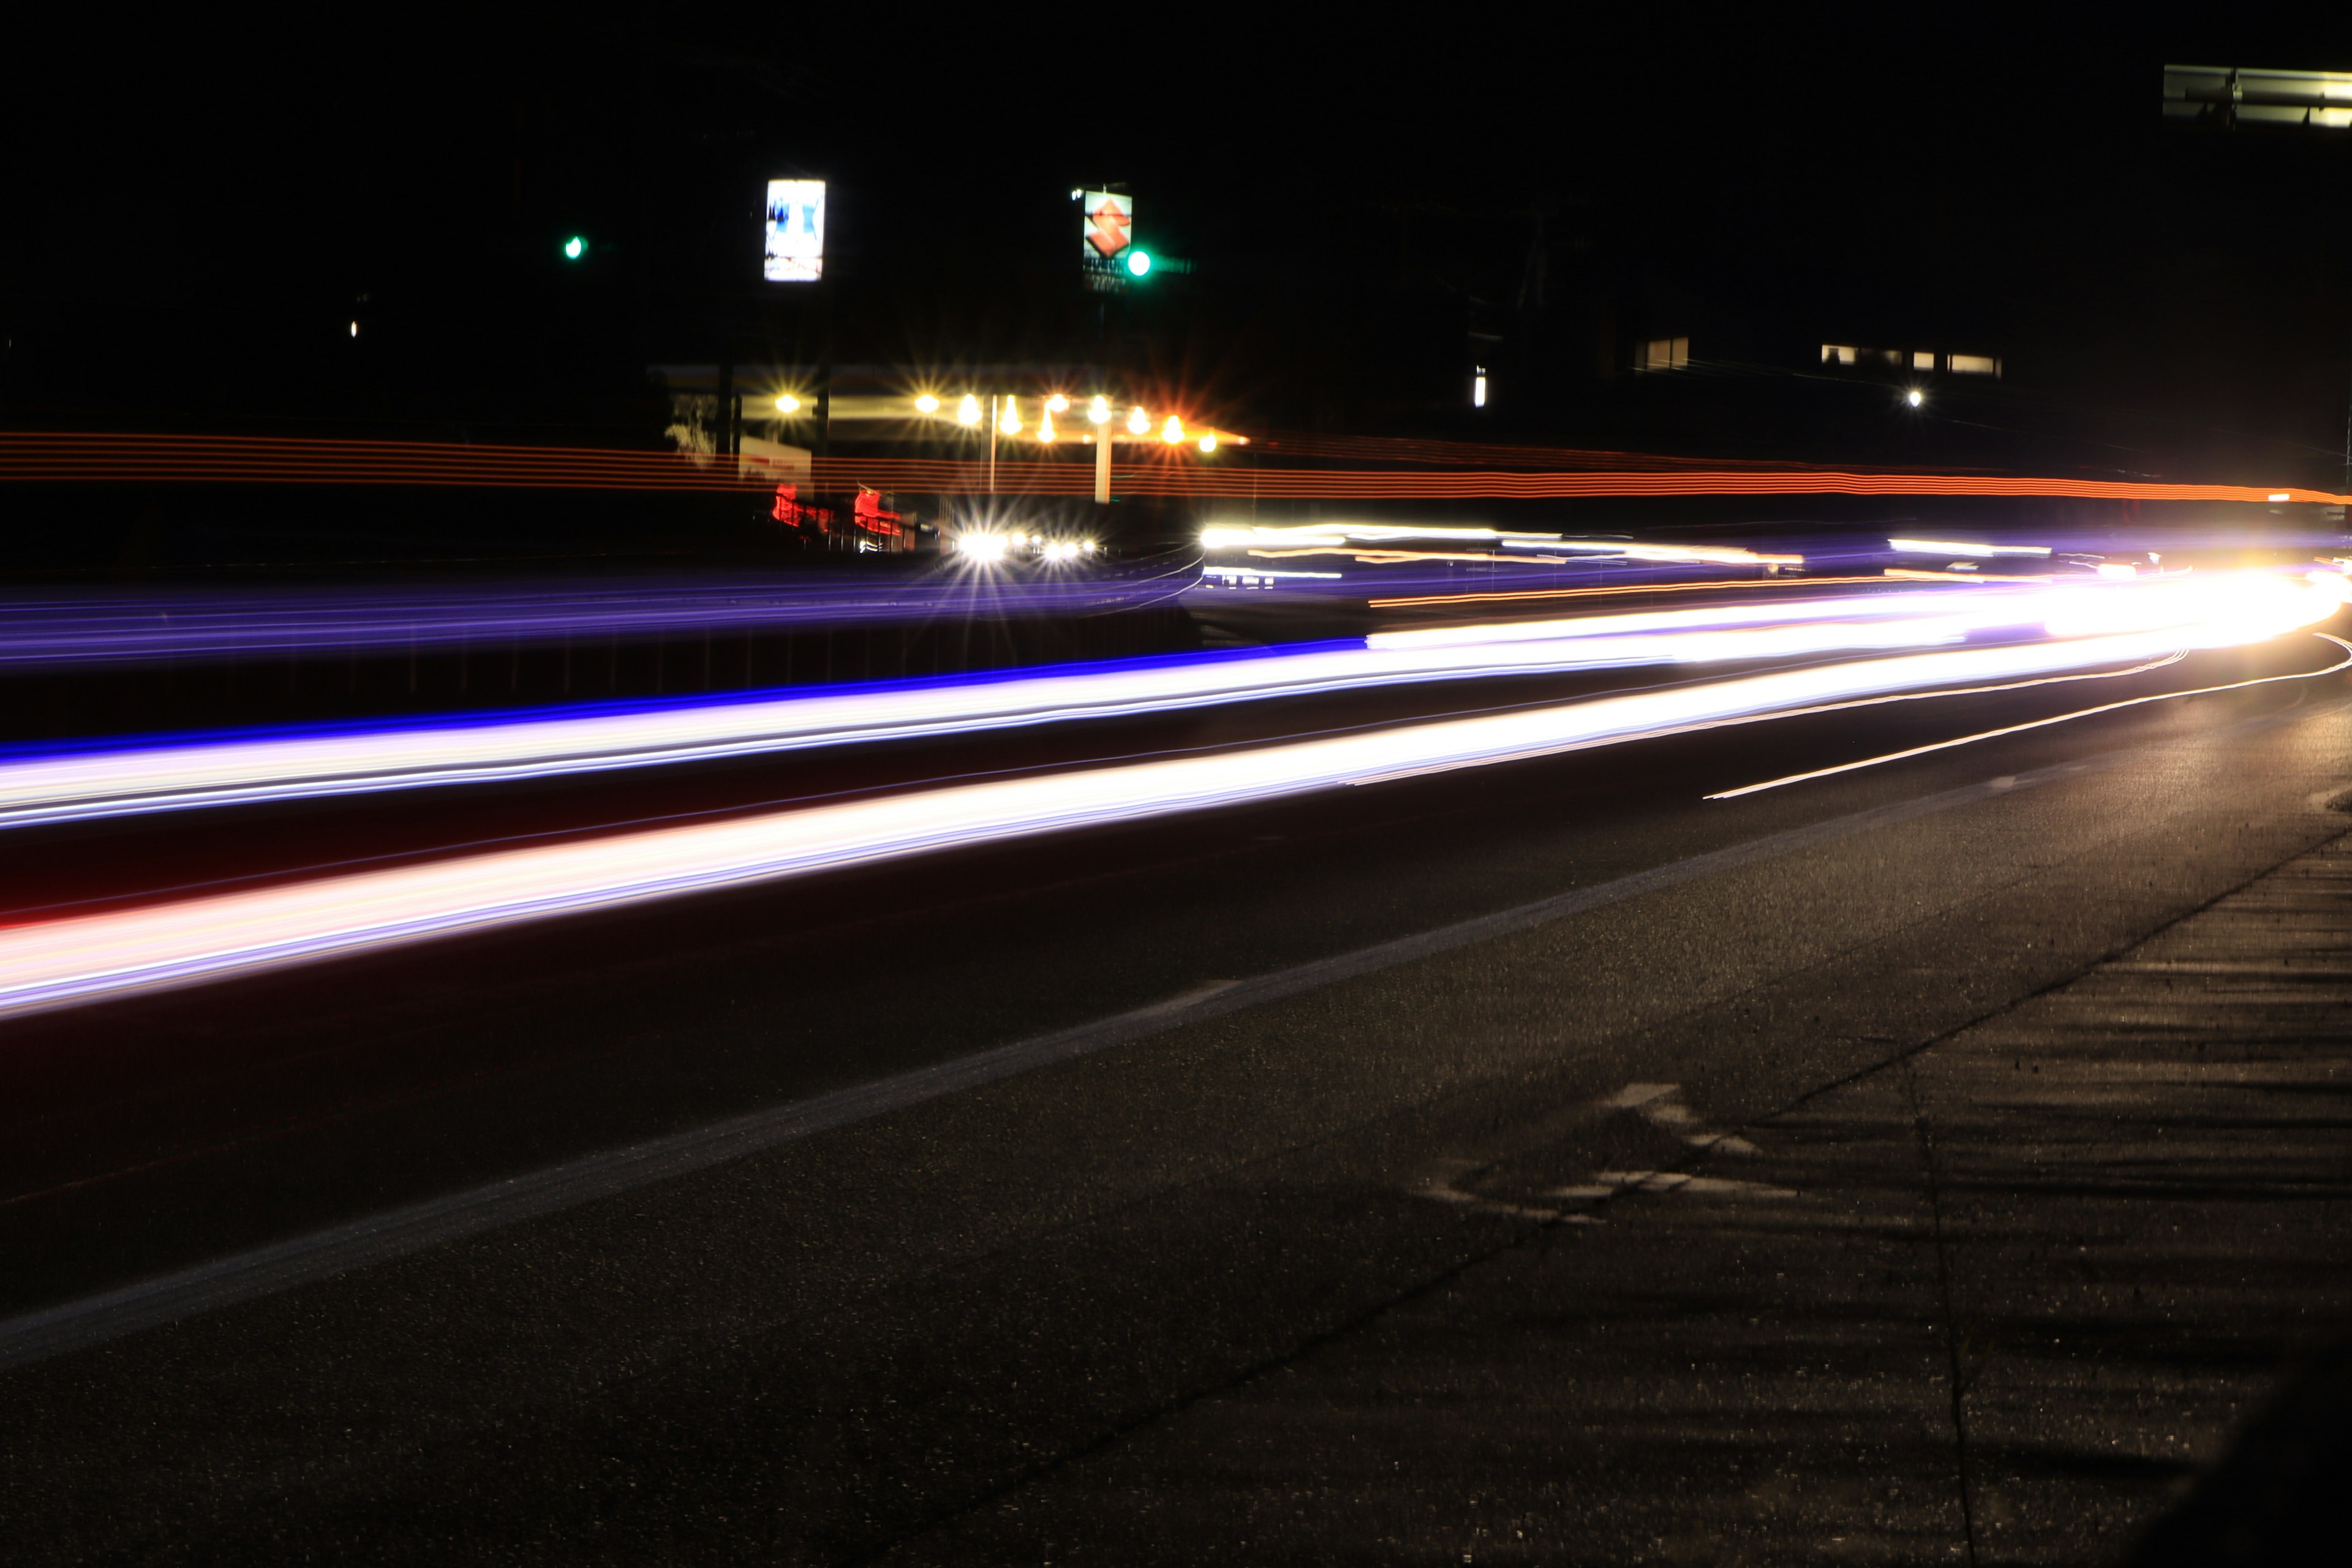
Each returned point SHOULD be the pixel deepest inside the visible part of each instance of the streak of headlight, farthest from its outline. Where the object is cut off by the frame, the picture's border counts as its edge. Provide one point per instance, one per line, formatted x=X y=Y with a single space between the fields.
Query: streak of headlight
x=1618 y=589
x=1963 y=547
x=1326 y=539
x=1915 y=575
x=59 y=963
x=2343 y=663
x=1974 y=610
x=133 y=781
x=2231 y=607
x=62 y=630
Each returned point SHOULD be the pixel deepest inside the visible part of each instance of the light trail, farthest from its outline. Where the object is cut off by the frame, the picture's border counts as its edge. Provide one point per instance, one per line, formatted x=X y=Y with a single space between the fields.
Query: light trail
x=2343 y=663
x=1363 y=540
x=1617 y=589
x=68 y=458
x=135 y=780
x=65 y=630
x=122 y=781
x=62 y=962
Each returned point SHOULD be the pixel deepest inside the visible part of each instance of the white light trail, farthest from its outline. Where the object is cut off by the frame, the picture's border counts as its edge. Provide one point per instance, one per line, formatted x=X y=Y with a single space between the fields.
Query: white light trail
x=62 y=962
x=1963 y=547
x=131 y=781
x=1343 y=538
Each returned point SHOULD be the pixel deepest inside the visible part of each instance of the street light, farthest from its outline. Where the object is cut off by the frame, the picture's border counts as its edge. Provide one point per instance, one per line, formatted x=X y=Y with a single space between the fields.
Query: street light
x=788 y=404
x=927 y=403
x=1915 y=397
x=1098 y=411
x=1173 y=431
x=1138 y=423
x=968 y=411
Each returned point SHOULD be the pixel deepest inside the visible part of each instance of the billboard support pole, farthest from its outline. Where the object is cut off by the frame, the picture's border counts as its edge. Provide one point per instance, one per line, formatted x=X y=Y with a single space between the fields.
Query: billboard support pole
x=825 y=369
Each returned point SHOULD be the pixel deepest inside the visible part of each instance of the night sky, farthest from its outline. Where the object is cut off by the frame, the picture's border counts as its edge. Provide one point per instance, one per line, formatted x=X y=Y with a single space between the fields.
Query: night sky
x=196 y=217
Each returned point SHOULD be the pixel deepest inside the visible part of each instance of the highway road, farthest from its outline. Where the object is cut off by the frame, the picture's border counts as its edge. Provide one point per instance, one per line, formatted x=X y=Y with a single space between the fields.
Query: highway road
x=830 y=1219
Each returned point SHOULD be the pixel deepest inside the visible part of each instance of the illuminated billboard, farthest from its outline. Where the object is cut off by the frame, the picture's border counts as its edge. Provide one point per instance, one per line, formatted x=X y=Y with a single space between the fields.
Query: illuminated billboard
x=1109 y=230
x=796 y=231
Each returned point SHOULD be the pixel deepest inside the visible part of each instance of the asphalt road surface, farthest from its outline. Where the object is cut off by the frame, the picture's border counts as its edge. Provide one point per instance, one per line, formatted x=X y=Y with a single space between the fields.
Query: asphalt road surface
x=1260 y=1185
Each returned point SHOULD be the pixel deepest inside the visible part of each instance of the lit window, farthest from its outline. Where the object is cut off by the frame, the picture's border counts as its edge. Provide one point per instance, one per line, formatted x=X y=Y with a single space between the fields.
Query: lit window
x=1973 y=364
x=1837 y=353
x=1665 y=353
x=1922 y=360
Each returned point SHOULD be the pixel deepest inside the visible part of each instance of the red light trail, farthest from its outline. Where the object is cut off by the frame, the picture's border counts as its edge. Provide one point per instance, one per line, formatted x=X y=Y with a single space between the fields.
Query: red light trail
x=89 y=457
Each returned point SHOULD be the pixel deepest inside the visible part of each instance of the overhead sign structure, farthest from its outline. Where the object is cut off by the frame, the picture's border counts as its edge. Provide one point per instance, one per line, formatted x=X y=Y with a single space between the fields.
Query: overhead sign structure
x=2227 y=97
x=796 y=231
x=1109 y=235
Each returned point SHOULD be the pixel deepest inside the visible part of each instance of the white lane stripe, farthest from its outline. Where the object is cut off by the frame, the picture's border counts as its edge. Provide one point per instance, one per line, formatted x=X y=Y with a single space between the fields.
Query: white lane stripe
x=2343 y=663
x=400 y=1233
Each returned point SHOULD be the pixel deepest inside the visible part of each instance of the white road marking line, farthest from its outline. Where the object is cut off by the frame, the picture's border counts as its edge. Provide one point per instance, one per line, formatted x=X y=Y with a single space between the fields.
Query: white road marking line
x=2343 y=663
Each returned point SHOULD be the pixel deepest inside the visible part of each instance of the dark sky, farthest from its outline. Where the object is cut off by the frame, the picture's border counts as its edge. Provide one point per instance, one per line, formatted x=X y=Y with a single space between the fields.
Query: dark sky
x=187 y=201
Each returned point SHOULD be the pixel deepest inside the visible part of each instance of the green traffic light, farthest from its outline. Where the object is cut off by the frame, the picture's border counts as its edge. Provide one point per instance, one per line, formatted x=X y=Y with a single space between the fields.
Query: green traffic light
x=575 y=248
x=1138 y=262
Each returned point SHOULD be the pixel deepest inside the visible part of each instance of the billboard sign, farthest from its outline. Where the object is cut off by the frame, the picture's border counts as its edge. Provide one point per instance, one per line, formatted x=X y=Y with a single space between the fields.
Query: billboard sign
x=796 y=231
x=1108 y=233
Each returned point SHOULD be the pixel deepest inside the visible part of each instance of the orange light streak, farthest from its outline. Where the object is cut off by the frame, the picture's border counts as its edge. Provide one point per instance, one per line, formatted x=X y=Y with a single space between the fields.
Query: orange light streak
x=84 y=457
